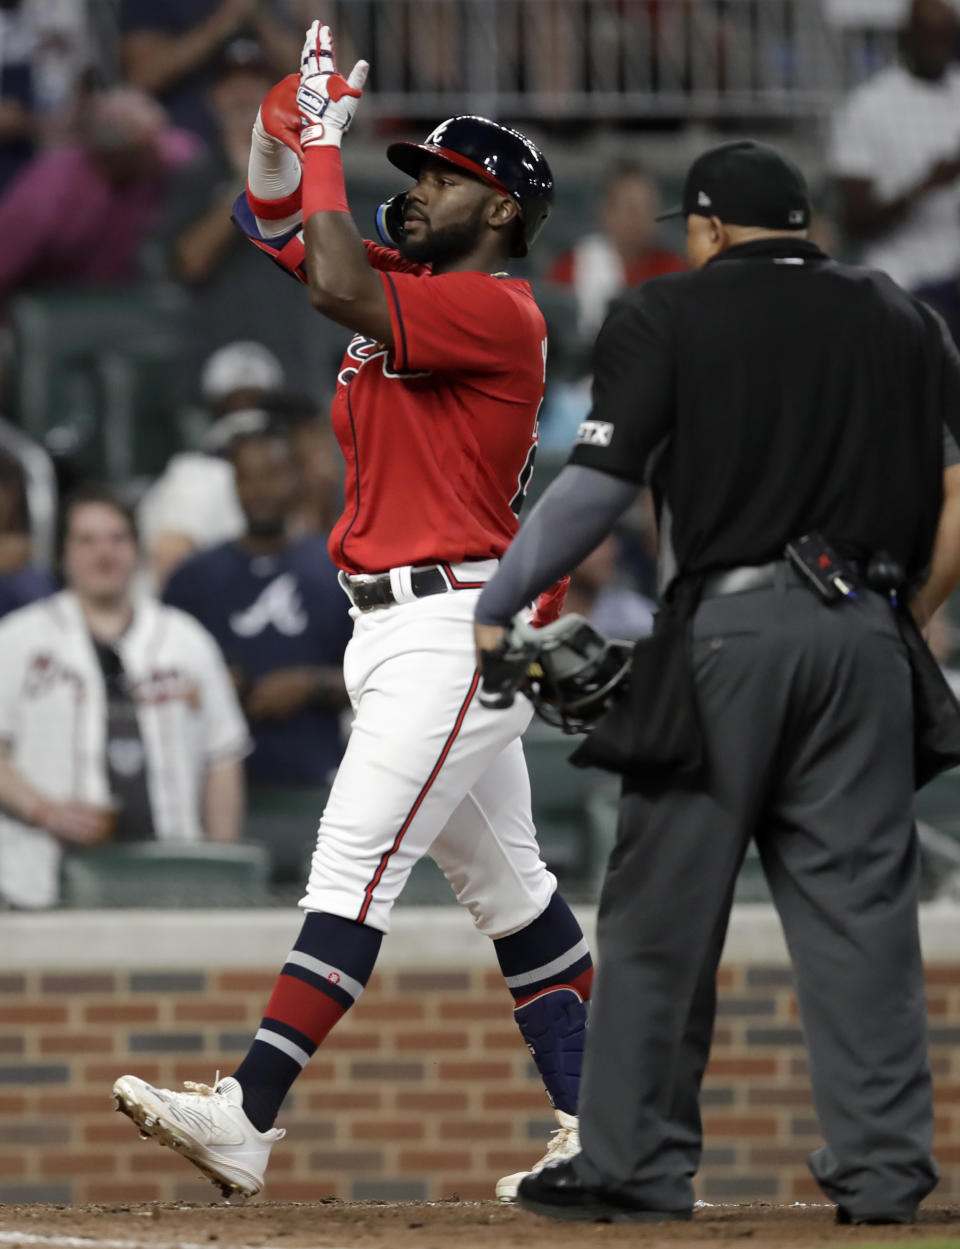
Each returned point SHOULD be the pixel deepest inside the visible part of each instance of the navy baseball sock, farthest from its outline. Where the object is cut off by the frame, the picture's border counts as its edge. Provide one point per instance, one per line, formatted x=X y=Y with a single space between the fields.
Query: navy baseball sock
x=549 y=971
x=325 y=973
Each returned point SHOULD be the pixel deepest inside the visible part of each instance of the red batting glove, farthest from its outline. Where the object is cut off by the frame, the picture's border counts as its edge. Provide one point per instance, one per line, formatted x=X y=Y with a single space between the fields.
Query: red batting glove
x=279 y=115
x=550 y=604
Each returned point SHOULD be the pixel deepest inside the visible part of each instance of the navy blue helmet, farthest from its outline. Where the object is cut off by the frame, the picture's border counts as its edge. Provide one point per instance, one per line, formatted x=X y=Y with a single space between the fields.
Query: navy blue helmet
x=502 y=157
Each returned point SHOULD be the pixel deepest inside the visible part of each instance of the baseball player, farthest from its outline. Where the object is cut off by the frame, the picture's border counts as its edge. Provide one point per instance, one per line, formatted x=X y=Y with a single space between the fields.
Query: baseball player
x=436 y=413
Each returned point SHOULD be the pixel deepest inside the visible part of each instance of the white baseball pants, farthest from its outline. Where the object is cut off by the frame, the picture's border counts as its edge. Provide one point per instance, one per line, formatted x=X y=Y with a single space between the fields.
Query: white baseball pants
x=427 y=769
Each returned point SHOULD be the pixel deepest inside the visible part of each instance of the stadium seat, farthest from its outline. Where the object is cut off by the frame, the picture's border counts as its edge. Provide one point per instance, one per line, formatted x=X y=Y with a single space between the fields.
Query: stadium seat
x=568 y=350
x=938 y=803
x=284 y=822
x=574 y=825
x=426 y=886
x=162 y=874
x=938 y=824
x=94 y=373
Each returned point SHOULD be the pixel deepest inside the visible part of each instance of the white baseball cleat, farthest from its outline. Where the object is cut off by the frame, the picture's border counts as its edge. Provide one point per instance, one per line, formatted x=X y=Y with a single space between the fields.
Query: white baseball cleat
x=207 y=1125
x=564 y=1143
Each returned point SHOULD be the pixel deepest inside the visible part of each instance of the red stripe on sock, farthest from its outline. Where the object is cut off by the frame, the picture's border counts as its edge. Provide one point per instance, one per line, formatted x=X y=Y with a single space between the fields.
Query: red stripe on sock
x=309 y=1010
x=581 y=985
x=584 y=983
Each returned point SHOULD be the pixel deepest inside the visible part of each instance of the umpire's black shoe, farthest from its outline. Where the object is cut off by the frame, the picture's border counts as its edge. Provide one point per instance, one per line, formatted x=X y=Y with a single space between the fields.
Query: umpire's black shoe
x=876 y=1217
x=559 y=1193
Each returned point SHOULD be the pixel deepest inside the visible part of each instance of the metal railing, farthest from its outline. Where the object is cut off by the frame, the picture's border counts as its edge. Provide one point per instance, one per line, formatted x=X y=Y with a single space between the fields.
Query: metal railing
x=616 y=60
x=607 y=59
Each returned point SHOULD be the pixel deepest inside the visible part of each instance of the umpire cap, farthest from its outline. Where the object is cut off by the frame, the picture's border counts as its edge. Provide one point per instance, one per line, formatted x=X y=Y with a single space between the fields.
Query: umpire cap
x=499 y=156
x=746 y=184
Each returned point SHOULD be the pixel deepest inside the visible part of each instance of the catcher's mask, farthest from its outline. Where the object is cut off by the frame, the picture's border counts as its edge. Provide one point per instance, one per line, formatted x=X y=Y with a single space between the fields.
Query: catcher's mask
x=570 y=672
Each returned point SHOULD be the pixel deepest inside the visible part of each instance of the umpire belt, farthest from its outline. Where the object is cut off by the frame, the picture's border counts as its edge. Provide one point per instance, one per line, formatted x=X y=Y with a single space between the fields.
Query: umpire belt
x=778 y=574
x=368 y=591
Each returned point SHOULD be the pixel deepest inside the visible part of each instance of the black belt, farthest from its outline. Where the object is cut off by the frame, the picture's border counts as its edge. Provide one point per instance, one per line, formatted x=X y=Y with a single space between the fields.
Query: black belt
x=368 y=592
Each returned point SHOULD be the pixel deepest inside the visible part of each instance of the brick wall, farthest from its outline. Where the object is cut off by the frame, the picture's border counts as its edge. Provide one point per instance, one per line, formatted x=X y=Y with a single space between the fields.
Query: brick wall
x=425 y=1089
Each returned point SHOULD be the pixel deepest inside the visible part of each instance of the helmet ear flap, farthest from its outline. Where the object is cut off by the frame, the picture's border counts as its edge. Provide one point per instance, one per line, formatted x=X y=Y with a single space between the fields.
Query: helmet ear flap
x=389 y=220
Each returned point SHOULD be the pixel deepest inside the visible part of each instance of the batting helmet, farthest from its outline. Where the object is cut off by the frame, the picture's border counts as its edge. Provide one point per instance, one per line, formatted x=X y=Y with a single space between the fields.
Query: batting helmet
x=502 y=157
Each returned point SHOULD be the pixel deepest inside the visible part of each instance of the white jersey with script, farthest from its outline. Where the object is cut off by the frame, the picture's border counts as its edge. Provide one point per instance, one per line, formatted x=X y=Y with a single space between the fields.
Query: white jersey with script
x=53 y=724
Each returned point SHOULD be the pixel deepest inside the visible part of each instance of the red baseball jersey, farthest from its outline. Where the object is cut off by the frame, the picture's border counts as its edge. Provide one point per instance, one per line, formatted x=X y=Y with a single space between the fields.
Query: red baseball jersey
x=439 y=435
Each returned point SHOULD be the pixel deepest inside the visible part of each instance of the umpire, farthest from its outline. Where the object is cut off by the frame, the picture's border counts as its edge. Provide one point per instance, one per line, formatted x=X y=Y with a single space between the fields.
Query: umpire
x=774 y=399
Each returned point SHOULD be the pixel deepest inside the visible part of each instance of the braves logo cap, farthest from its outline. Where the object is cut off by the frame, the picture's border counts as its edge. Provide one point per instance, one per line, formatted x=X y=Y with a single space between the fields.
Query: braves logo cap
x=746 y=184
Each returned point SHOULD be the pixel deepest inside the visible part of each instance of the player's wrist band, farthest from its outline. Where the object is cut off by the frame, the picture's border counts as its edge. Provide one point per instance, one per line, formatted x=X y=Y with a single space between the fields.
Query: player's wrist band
x=323 y=186
x=274 y=209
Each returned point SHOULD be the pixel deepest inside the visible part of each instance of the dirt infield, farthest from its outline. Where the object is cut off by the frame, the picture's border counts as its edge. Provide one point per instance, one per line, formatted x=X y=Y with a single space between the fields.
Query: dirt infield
x=437 y=1225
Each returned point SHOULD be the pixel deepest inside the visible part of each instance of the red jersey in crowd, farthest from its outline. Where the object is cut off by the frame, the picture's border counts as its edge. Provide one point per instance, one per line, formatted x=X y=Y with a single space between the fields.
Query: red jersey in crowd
x=652 y=264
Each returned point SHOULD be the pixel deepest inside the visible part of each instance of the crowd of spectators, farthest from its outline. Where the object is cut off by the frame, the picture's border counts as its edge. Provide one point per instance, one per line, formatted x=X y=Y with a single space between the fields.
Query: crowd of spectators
x=130 y=716
x=80 y=213
x=46 y=54
x=623 y=251
x=272 y=601
x=106 y=186
x=193 y=503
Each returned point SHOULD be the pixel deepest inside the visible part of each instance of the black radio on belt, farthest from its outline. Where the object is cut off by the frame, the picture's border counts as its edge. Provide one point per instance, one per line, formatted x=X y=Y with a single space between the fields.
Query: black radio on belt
x=816 y=560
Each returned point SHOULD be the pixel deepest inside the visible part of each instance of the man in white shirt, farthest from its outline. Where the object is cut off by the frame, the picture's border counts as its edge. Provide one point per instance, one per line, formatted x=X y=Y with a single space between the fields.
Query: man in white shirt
x=118 y=718
x=895 y=154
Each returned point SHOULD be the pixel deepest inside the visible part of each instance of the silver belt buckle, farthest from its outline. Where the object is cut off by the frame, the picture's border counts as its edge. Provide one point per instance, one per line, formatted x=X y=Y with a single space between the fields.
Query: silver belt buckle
x=353 y=580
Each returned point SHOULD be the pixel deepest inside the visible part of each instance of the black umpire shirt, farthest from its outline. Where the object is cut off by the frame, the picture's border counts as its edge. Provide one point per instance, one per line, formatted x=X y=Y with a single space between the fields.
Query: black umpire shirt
x=771 y=393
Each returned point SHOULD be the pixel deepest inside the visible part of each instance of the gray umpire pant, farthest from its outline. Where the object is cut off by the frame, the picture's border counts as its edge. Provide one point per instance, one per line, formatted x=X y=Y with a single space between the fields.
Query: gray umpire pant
x=806 y=711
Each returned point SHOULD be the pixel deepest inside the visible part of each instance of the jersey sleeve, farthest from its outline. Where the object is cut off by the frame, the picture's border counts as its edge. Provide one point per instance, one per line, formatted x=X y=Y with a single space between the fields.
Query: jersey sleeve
x=12 y=656
x=225 y=733
x=465 y=322
x=389 y=260
x=286 y=250
x=633 y=390
x=289 y=252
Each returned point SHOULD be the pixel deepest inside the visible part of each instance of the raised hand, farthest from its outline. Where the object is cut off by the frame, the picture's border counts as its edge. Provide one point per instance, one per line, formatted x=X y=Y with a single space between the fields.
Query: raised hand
x=326 y=100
